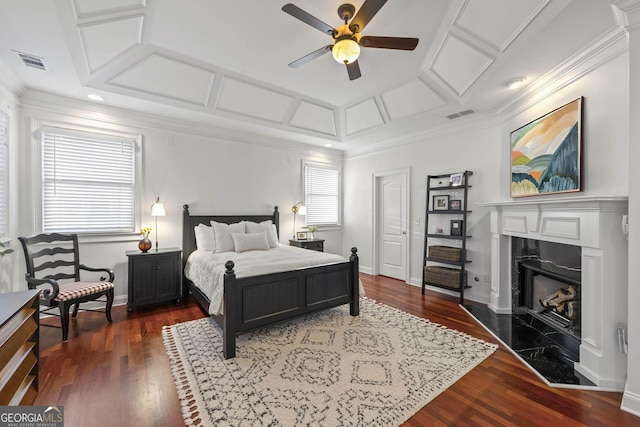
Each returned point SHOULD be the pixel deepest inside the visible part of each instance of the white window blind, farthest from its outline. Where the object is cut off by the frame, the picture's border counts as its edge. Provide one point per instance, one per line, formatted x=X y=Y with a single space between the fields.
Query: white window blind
x=88 y=182
x=322 y=194
x=4 y=170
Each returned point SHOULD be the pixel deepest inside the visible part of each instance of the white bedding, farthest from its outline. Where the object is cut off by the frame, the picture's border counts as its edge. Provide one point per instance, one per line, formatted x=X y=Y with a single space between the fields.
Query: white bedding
x=206 y=268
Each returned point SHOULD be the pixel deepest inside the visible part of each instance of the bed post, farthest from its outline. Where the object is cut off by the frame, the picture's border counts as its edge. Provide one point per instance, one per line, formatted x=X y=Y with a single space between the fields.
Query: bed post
x=186 y=244
x=276 y=220
x=355 y=279
x=230 y=316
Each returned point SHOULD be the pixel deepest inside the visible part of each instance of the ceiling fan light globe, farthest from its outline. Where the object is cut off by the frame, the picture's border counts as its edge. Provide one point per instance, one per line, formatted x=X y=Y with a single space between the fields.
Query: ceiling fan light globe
x=346 y=51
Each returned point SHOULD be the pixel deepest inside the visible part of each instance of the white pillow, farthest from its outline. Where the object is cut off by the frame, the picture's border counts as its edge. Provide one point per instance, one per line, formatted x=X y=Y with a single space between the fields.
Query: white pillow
x=266 y=226
x=250 y=242
x=205 y=239
x=222 y=232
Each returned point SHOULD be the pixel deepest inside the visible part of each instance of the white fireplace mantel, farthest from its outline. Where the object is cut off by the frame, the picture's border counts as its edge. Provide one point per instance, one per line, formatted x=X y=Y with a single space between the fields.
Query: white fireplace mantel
x=595 y=224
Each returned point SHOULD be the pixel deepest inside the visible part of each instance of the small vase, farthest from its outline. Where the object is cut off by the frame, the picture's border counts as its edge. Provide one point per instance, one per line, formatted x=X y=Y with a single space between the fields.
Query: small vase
x=144 y=245
x=310 y=235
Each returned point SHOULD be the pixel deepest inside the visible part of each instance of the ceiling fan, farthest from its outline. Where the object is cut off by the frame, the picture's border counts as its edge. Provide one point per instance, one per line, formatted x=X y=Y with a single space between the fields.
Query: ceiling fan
x=347 y=38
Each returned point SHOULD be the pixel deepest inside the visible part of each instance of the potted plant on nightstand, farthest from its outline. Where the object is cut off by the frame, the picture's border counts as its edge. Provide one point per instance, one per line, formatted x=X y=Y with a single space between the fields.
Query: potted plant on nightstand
x=312 y=229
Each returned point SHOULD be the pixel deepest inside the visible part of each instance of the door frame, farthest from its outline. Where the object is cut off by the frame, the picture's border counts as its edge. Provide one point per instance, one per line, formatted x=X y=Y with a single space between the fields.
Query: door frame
x=376 y=177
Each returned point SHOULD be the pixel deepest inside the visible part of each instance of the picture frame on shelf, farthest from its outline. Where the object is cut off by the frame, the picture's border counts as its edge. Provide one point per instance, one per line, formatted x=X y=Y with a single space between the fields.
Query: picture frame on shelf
x=456 y=179
x=456 y=227
x=440 y=202
x=301 y=235
x=455 y=204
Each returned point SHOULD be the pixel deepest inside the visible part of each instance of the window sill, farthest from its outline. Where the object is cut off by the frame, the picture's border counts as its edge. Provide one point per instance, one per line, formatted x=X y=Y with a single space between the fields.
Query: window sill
x=109 y=238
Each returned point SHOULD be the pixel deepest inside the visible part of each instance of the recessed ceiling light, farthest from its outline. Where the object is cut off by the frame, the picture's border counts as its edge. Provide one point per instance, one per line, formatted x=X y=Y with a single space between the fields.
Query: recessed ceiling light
x=95 y=97
x=515 y=83
x=328 y=144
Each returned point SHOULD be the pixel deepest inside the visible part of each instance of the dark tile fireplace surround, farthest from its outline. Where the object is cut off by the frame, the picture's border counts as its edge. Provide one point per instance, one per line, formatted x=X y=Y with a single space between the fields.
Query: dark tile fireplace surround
x=542 y=334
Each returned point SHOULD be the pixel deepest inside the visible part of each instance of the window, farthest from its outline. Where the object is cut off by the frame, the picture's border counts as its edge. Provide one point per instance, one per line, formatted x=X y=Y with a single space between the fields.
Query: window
x=4 y=170
x=322 y=194
x=88 y=182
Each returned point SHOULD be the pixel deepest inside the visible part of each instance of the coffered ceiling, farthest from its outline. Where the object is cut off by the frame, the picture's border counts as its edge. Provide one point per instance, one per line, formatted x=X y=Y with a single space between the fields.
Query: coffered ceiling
x=224 y=63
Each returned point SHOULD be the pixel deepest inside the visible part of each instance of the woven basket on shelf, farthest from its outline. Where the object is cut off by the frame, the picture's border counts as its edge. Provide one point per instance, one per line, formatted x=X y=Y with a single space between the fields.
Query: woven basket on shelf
x=444 y=276
x=445 y=253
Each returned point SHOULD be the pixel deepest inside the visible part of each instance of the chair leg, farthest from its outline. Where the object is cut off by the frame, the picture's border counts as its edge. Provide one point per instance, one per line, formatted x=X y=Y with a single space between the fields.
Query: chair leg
x=107 y=309
x=64 y=318
x=75 y=310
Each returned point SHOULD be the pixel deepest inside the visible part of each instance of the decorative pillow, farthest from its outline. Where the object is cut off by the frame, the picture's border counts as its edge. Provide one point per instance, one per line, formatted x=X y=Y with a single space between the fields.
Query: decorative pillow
x=205 y=239
x=250 y=242
x=222 y=232
x=266 y=226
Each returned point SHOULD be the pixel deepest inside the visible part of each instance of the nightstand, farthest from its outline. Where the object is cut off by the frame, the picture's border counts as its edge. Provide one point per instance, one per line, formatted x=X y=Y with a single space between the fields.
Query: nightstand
x=154 y=277
x=313 y=244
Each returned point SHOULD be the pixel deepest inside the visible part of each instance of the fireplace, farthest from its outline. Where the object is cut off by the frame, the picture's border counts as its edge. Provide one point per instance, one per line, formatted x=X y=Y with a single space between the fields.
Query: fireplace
x=547 y=283
x=594 y=248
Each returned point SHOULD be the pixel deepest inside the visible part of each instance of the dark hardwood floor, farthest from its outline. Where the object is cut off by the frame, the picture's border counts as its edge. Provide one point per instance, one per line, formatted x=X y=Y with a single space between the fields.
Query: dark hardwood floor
x=118 y=374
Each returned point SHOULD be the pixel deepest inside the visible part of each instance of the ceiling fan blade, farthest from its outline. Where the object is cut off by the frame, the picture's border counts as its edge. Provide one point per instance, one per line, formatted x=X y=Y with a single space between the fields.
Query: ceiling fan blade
x=354 y=70
x=307 y=18
x=310 y=56
x=367 y=11
x=401 y=43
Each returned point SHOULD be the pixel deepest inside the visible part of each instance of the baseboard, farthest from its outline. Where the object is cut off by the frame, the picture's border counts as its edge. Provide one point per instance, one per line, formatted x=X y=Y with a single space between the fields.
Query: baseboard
x=365 y=270
x=631 y=403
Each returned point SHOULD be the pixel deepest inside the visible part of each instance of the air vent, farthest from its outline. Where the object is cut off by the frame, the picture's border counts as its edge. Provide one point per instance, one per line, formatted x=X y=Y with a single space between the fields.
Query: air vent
x=31 y=60
x=460 y=114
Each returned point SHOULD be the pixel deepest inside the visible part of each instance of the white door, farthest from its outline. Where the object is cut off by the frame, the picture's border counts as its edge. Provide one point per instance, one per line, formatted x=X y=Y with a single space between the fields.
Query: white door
x=392 y=226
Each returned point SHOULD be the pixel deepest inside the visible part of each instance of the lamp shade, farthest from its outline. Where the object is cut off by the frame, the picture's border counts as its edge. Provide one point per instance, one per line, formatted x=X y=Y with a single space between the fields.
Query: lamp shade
x=157 y=209
x=302 y=210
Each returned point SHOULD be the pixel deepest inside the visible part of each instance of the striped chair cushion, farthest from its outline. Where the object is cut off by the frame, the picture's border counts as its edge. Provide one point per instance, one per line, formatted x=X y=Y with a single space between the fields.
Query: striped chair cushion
x=69 y=291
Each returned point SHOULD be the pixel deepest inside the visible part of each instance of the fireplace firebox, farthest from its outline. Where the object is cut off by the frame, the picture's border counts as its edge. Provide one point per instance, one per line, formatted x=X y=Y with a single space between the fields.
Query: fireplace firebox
x=551 y=297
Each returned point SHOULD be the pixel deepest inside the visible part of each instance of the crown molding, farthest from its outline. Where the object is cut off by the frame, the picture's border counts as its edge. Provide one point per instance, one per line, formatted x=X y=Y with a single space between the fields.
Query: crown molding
x=608 y=46
x=10 y=85
x=457 y=126
x=115 y=116
x=626 y=13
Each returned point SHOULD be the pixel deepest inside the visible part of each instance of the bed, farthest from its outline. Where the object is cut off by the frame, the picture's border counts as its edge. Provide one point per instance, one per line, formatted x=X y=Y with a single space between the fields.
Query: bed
x=256 y=301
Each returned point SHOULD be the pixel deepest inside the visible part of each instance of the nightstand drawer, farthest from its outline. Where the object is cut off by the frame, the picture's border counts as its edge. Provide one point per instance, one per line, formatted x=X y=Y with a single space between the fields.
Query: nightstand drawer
x=314 y=245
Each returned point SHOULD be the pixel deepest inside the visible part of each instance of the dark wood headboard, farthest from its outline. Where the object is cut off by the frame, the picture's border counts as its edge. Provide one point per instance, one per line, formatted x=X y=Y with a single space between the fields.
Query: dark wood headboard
x=190 y=221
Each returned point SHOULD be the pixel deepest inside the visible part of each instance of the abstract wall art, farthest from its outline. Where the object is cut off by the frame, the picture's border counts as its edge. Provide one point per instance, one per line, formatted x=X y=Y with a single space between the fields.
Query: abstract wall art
x=546 y=153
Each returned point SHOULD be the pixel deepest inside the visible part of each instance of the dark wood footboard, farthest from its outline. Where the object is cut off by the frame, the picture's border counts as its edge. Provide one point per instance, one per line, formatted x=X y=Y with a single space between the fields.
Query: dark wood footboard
x=257 y=301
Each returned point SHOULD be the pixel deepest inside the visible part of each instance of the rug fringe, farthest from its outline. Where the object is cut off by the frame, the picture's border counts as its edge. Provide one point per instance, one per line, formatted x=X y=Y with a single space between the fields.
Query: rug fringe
x=185 y=393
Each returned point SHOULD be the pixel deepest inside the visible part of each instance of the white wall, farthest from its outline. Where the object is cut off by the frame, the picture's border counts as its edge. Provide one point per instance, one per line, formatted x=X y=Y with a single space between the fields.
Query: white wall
x=605 y=117
x=476 y=150
x=483 y=147
x=9 y=104
x=182 y=164
x=631 y=398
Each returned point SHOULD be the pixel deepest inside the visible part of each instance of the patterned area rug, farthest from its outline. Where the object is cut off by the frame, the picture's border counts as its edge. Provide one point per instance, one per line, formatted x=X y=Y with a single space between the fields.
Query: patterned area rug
x=324 y=369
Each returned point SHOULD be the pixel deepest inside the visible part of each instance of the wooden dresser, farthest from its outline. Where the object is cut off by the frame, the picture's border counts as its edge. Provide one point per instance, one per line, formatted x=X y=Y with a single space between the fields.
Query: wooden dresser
x=19 y=323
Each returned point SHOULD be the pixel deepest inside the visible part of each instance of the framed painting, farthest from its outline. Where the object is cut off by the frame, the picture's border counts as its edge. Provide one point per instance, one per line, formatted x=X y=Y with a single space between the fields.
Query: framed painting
x=546 y=153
